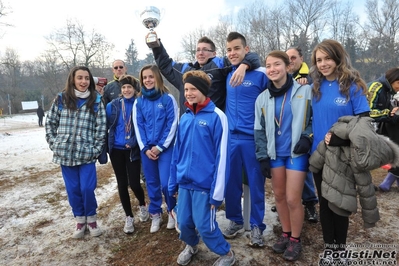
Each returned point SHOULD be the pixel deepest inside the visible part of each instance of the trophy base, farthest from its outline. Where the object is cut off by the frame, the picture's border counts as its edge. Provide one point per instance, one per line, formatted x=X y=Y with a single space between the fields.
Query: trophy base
x=152 y=42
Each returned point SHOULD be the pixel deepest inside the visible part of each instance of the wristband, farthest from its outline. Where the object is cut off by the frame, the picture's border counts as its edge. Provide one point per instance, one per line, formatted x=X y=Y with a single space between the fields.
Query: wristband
x=159 y=148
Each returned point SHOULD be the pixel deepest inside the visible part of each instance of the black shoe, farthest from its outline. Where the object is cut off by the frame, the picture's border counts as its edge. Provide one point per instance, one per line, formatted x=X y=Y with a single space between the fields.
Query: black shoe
x=311 y=213
x=293 y=250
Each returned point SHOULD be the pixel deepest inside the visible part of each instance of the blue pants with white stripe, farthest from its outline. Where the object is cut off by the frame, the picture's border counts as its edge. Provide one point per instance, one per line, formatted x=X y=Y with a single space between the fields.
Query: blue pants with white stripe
x=195 y=212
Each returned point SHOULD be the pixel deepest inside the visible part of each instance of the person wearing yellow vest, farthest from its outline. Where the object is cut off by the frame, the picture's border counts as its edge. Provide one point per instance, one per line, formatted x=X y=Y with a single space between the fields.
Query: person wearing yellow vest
x=298 y=68
x=384 y=103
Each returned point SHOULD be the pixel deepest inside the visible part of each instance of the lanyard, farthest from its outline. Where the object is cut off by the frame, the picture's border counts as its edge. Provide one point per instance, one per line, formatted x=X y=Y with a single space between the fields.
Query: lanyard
x=127 y=122
x=279 y=122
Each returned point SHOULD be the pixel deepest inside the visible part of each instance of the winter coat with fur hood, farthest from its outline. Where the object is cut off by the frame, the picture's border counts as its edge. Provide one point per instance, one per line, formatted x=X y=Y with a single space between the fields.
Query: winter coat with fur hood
x=346 y=169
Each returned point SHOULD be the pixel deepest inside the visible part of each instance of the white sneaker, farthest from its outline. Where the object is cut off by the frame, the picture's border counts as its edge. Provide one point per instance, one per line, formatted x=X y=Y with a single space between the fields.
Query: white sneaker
x=143 y=214
x=93 y=226
x=226 y=260
x=156 y=222
x=171 y=222
x=94 y=229
x=129 y=228
x=174 y=215
x=79 y=230
x=80 y=227
x=186 y=255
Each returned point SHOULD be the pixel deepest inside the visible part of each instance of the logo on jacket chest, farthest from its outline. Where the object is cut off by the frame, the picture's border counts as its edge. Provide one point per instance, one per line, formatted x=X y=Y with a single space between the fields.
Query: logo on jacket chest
x=202 y=123
x=247 y=83
x=160 y=105
x=340 y=101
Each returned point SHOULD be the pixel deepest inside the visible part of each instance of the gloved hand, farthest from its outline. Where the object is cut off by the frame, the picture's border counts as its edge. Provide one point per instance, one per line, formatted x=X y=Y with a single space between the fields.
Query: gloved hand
x=303 y=146
x=394 y=119
x=265 y=168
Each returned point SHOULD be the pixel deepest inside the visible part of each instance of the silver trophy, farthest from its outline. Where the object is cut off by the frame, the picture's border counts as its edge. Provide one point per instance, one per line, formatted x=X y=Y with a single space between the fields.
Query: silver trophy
x=151 y=17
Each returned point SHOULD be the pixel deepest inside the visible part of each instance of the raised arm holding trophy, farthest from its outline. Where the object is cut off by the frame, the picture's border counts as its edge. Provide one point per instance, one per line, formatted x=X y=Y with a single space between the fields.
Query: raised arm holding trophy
x=151 y=17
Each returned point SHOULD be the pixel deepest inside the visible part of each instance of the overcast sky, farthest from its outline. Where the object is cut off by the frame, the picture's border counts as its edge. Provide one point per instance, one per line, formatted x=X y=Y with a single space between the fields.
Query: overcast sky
x=116 y=20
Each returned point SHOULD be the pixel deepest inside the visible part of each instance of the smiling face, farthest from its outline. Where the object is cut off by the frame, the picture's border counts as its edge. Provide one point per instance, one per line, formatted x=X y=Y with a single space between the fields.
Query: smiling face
x=148 y=79
x=128 y=91
x=192 y=94
x=236 y=51
x=82 y=80
x=326 y=65
x=276 y=71
x=203 y=53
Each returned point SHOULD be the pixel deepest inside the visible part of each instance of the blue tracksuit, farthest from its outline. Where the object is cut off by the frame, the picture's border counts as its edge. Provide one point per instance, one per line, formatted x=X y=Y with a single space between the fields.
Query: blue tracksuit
x=240 y=111
x=199 y=170
x=155 y=122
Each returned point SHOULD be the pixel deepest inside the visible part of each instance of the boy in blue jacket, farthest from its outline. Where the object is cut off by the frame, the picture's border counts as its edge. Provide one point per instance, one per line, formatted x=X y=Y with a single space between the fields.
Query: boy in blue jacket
x=202 y=139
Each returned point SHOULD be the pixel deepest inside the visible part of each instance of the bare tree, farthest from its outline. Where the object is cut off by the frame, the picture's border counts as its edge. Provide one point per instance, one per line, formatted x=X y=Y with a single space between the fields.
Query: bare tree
x=308 y=20
x=4 y=11
x=344 y=28
x=383 y=32
x=11 y=69
x=189 y=43
x=74 y=46
x=219 y=33
x=344 y=21
x=261 y=25
x=51 y=73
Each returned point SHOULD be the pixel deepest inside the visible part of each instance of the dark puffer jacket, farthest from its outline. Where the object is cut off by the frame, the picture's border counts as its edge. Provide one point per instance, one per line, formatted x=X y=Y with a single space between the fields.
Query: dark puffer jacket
x=346 y=169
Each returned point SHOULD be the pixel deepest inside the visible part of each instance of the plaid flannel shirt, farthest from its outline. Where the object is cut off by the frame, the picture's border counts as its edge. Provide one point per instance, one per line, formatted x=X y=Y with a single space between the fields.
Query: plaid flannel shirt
x=75 y=137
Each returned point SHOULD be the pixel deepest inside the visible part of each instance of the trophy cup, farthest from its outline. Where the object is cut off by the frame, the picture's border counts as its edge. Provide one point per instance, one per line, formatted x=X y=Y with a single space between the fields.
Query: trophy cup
x=151 y=17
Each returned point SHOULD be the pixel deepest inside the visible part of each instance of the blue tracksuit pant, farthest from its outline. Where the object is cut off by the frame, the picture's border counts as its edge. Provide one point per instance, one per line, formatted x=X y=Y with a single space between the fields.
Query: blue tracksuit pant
x=242 y=156
x=80 y=183
x=156 y=177
x=195 y=212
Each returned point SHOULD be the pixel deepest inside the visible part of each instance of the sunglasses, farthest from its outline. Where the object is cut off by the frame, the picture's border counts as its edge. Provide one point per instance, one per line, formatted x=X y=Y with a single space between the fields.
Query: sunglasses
x=116 y=67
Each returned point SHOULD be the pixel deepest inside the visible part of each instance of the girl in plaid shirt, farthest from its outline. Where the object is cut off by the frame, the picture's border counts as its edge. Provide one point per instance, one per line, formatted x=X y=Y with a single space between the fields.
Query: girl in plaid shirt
x=76 y=133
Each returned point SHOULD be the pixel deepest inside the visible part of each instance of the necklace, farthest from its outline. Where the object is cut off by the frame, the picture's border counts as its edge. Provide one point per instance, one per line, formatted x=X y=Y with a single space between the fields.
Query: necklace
x=127 y=122
x=279 y=122
x=331 y=82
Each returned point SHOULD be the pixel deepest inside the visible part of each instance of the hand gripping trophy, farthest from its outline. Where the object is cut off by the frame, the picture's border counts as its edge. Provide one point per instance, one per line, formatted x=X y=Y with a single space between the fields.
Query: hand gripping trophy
x=151 y=17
